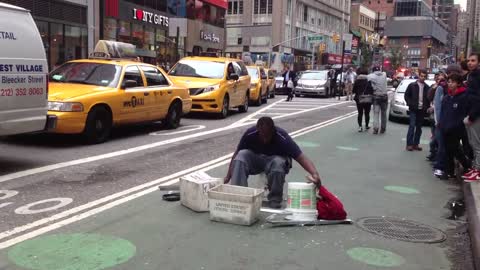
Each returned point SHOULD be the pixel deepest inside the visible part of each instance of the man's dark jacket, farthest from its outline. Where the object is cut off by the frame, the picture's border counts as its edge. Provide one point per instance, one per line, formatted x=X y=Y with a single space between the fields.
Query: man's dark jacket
x=411 y=96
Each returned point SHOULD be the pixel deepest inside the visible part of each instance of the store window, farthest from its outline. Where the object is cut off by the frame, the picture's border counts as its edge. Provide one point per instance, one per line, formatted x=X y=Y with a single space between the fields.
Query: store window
x=149 y=43
x=110 y=29
x=43 y=29
x=57 y=47
x=124 y=32
x=75 y=45
x=137 y=35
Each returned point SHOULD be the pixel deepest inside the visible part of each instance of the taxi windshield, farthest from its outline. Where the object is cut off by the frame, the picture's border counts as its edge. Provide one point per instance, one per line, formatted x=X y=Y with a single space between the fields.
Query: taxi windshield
x=253 y=72
x=87 y=73
x=199 y=69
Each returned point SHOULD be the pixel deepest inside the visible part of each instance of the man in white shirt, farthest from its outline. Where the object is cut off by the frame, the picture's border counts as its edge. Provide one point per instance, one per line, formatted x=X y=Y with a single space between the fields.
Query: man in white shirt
x=349 y=80
x=417 y=102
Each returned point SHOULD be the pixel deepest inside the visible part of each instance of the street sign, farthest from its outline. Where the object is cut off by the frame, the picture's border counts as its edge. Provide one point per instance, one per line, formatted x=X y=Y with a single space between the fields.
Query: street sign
x=315 y=38
x=348 y=42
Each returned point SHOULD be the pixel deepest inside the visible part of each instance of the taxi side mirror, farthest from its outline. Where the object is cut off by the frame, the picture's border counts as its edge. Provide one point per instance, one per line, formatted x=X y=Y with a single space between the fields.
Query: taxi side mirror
x=129 y=84
x=234 y=76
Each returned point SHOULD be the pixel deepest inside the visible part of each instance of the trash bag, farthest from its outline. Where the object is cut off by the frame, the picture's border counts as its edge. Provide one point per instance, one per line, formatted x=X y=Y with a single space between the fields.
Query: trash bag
x=329 y=207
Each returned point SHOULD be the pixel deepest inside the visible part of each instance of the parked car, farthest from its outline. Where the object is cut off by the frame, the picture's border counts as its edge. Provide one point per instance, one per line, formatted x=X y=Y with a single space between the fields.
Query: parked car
x=312 y=83
x=258 y=85
x=398 y=106
x=23 y=72
x=212 y=88
x=90 y=96
x=271 y=83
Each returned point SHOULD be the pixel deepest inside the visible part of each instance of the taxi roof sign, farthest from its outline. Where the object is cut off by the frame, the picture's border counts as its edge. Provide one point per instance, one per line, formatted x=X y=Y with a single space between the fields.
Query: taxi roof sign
x=107 y=49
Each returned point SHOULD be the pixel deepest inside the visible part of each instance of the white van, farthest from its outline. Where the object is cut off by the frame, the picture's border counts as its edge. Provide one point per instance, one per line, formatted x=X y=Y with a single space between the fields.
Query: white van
x=23 y=73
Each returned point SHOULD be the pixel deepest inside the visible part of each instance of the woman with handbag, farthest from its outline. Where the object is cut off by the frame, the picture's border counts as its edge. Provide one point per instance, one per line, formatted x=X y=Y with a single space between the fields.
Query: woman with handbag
x=363 y=91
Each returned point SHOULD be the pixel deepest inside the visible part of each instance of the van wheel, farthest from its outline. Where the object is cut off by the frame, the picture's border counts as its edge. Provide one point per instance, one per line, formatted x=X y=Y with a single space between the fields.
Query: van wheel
x=244 y=108
x=98 y=126
x=225 y=106
x=172 y=120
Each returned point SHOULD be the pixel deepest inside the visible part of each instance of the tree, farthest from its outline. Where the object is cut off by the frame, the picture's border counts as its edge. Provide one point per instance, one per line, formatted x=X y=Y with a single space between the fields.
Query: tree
x=367 y=56
x=396 y=58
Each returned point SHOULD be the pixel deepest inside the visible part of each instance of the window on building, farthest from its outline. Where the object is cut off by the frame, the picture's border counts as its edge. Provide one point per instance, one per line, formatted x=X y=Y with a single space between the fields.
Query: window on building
x=319 y=21
x=270 y=7
x=240 y=7
x=289 y=5
x=263 y=6
x=305 y=13
x=235 y=7
x=256 y=6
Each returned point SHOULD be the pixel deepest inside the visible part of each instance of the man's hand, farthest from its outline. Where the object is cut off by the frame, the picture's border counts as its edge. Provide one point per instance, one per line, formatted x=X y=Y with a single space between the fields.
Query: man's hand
x=315 y=179
x=430 y=110
x=467 y=121
x=226 y=180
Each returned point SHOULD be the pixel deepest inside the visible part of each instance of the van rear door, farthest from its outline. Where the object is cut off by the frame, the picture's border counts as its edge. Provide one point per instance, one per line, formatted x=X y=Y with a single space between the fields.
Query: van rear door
x=23 y=73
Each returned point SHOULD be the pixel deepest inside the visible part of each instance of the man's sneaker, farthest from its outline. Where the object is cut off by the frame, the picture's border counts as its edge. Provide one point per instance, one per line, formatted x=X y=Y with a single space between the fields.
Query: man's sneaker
x=382 y=131
x=375 y=131
x=437 y=172
x=473 y=178
x=275 y=205
x=360 y=129
x=367 y=127
x=418 y=148
x=470 y=173
x=431 y=157
x=409 y=148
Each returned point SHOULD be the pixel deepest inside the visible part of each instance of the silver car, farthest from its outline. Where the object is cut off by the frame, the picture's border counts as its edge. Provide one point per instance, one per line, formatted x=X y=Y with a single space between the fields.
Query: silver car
x=312 y=83
x=398 y=106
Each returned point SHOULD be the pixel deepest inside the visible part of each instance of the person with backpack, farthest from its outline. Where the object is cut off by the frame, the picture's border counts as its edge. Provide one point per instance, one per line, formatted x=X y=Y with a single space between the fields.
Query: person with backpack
x=455 y=106
x=378 y=80
x=363 y=91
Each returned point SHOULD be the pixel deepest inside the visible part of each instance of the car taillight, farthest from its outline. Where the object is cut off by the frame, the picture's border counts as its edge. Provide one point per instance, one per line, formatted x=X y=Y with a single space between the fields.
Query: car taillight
x=47 y=86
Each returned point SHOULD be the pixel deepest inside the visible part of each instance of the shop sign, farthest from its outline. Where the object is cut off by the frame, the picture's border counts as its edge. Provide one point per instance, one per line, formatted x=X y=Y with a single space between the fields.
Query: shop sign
x=355 y=42
x=209 y=37
x=149 y=17
x=337 y=59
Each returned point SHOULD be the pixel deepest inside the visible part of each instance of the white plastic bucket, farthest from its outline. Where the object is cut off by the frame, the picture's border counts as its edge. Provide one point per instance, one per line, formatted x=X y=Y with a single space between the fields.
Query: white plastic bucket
x=302 y=201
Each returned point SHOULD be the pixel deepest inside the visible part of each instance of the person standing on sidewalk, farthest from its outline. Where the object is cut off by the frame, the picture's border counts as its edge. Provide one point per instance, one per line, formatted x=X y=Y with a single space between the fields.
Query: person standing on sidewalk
x=268 y=149
x=472 y=120
x=454 y=108
x=363 y=91
x=440 y=155
x=378 y=80
x=417 y=101
x=289 y=81
x=349 y=81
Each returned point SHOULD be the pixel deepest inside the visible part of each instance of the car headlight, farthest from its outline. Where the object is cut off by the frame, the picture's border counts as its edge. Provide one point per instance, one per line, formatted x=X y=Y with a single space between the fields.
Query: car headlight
x=253 y=85
x=211 y=88
x=399 y=102
x=65 y=106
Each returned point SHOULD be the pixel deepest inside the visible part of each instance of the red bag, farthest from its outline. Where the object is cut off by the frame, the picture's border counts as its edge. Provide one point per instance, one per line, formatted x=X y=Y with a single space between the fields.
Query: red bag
x=329 y=206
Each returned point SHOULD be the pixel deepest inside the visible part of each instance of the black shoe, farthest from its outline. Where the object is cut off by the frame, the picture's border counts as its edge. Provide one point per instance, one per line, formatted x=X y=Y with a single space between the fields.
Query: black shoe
x=367 y=127
x=275 y=205
x=431 y=158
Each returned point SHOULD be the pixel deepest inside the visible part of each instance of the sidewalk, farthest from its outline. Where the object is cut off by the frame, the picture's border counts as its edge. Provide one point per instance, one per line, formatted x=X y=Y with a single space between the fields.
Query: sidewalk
x=372 y=175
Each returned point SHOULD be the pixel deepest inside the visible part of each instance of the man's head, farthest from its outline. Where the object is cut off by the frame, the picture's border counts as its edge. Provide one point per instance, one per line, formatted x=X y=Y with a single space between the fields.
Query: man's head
x=422 y=75
x=441 y=76
x=454 y=69
x=473 y=61
x=266 y=129
x=374 y=69
x=455 y=81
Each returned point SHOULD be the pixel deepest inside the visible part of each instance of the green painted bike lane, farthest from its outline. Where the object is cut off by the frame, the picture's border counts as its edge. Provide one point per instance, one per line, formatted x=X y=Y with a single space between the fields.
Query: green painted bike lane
x=372 y=175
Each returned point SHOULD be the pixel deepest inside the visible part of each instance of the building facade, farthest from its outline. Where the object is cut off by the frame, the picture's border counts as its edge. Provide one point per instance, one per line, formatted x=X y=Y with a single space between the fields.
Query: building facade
x=63 y=25
x=256 y=28
x=385 y=7
x=421 y=39
x=461 y=37
x=363 y=20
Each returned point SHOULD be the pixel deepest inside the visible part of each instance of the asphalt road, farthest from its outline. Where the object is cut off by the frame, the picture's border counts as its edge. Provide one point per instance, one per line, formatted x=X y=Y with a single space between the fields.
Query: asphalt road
x=103 y=207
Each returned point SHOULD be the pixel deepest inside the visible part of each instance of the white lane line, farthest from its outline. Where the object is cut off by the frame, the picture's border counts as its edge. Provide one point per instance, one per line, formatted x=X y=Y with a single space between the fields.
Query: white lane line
x=272 y=113
x=286 y=109
x=124 y=196
x=303 y=105
x=180 y=130
x=51 y=167
x=109 y=198
x=245 y=119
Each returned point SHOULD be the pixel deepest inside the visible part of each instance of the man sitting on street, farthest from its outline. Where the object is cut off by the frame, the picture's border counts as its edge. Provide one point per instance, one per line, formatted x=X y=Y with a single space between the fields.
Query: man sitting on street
x=268 y=149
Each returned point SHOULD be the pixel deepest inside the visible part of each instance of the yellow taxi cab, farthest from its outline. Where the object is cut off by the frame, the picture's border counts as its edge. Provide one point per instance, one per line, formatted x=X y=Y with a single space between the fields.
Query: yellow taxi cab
x=216 y=84
x=258 y=86
x=271 y=82
x=90 y=96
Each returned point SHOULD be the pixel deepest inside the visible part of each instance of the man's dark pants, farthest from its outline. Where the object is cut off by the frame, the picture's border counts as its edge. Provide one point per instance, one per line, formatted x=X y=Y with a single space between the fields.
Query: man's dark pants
x=275 y=168
x=415 y=127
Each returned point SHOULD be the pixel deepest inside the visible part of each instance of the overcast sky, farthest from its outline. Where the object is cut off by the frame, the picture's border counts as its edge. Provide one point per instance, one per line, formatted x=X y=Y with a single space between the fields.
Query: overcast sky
x=463 y=3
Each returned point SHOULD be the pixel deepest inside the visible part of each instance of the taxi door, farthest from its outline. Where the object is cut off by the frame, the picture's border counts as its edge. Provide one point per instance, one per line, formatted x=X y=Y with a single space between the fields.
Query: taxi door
x=159 y=90
x=243 y=83
x=134 y=96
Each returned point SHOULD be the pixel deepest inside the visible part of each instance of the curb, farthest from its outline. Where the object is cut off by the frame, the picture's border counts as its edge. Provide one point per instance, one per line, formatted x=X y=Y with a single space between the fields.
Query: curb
x=472 y=200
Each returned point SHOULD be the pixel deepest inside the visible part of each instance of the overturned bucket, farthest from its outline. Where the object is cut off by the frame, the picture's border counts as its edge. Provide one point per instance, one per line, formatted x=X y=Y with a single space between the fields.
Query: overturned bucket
x=302 y=201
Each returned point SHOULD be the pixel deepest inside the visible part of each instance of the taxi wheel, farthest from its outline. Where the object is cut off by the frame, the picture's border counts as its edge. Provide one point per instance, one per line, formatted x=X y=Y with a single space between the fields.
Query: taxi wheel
x=172 y=121
x=244 y=108
x=265 y=99
x=98 y=126
x=258 y=102
x=225 y=106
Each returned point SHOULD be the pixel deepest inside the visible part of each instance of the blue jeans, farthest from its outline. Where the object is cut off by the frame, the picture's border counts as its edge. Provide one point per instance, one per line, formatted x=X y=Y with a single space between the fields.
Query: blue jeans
x=415 y=127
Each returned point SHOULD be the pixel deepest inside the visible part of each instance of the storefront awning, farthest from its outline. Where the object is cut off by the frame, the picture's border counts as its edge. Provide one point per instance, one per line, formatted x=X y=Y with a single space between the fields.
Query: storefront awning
x=218 y=3
x=356 y=33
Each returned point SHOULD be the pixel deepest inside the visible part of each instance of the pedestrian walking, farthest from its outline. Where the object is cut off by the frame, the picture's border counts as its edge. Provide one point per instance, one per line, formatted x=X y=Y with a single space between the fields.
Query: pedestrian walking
x=289 y=82
x=378 y=80
x=454 y=108
x=417 y=102
x=266 y=148
x=363 y=91
x=349 y=81
x=472 y=119
x=332 y=77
